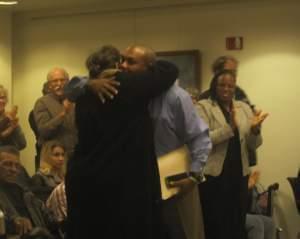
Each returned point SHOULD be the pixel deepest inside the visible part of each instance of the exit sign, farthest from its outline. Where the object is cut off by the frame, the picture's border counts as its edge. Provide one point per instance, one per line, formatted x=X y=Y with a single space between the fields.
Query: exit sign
x=234 y=43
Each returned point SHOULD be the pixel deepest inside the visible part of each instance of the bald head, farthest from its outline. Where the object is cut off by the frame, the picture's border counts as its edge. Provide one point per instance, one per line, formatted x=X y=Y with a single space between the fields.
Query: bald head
x=55 y=71
x=56 y=78
x=137 y=58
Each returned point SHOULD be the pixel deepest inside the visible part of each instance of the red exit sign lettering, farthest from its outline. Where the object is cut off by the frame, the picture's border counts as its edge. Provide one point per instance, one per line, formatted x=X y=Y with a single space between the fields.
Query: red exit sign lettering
x=234 y=43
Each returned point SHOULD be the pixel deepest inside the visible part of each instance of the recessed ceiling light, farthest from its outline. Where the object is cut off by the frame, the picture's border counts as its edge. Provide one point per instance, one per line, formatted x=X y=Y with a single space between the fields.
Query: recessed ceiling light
x=8 y=2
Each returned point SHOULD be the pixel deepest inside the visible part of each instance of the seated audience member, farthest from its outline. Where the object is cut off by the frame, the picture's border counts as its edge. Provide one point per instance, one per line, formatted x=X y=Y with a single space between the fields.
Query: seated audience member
x=24 y=179
x=57 y=204
x=51 y=171
x=25 y=214
x=10 y=130
x=258 y=226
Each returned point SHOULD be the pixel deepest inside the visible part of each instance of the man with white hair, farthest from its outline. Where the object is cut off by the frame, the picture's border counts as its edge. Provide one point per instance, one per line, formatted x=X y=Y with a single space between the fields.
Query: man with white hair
x=54 y=115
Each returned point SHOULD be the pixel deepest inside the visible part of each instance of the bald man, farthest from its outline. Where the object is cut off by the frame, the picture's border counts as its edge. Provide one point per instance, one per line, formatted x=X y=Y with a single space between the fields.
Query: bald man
x=54 y=115
x=176 y=123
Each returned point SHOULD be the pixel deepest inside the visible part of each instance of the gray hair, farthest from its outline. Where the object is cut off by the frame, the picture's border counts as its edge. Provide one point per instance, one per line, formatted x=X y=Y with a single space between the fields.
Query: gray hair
x=219 y=63
x=65 y=73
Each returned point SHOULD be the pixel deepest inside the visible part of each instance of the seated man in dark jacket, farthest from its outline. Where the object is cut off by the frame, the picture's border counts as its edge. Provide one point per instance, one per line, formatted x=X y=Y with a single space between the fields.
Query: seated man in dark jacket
x=25 y=214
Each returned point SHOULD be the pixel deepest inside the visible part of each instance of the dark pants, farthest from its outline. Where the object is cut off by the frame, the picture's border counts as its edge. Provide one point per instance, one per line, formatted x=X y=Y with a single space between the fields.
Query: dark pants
x=172 y=220
x=224 y=203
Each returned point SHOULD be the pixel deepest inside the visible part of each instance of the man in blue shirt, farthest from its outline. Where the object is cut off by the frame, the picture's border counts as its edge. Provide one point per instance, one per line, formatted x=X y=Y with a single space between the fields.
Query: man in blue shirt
x=176 y=123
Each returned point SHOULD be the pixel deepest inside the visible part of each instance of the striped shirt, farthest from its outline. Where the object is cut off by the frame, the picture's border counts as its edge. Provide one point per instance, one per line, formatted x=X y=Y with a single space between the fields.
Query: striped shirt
x=57 y=202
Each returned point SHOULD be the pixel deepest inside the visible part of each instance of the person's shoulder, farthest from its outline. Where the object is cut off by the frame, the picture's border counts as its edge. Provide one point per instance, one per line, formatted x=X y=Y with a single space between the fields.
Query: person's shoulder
x=241 y=103
x=121 y=75
x=39 y=176
x=206 y=105
x=44 y=99
x=206 y=102
x=240 y=92
x=169 y=98
x=40 y=99
x=47 y=97
x=36 y=175
x=204 y=95
x=175 y=92
x=60 y=188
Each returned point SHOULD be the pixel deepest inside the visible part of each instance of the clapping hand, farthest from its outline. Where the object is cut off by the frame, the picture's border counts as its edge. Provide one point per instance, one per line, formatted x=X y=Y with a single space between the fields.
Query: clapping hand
x=257 y=120
x=253 y=178
x=12 y=124
x=12 y=115
x=68 y=105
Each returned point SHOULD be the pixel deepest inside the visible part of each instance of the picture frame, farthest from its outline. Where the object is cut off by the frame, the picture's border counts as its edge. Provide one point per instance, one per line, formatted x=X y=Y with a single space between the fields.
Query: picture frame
x=189 y=64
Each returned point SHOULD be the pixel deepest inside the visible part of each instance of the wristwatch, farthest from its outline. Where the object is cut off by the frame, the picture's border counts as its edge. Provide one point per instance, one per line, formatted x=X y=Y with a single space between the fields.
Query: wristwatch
x=197 y=177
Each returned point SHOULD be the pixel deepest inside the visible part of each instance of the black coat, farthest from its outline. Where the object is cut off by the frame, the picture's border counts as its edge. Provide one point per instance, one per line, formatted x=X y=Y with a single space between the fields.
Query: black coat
x=113 y=176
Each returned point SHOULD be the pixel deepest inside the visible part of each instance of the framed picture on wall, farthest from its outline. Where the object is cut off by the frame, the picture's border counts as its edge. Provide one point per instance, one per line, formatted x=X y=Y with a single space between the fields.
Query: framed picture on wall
x=188 y=62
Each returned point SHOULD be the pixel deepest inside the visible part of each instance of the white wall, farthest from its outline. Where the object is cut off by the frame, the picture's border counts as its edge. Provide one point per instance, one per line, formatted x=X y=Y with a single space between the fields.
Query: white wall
x=269 y=65
x=5 y=52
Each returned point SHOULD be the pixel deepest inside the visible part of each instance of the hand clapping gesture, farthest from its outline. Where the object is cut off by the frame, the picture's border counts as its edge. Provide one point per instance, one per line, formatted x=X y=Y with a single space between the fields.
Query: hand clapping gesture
x=68 y=105
x=12 y=115
x=13 y=122
x=257 y=120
